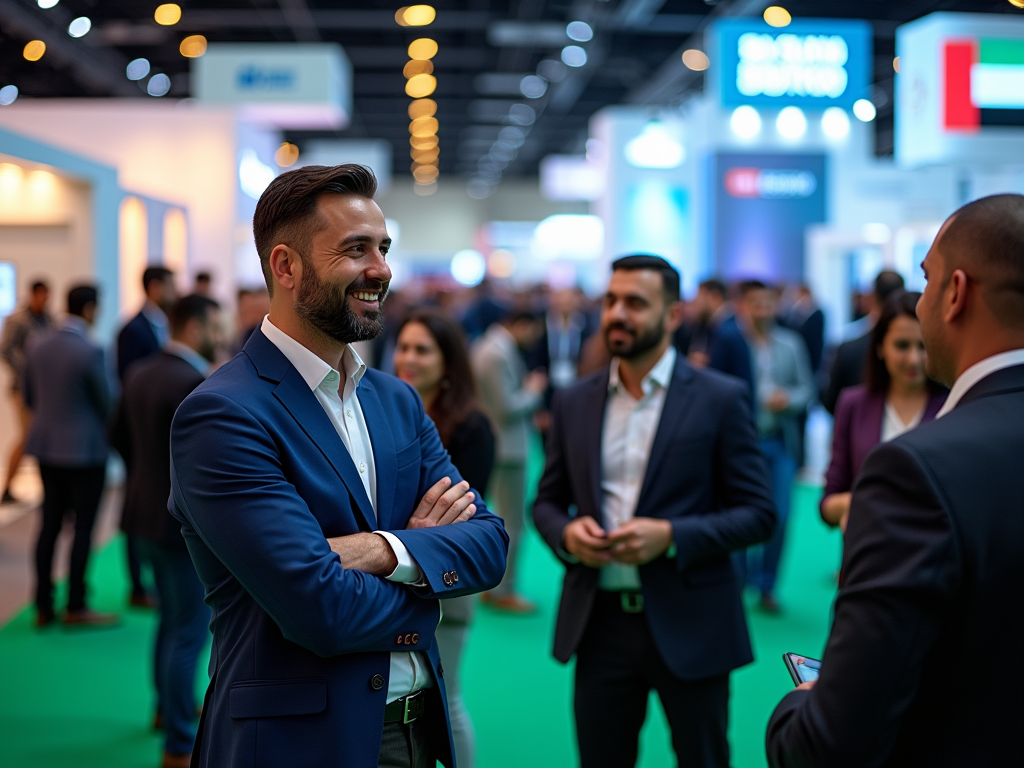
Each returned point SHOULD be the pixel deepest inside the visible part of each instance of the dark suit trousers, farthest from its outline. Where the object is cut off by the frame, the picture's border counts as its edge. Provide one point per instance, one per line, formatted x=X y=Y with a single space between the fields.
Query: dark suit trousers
x=617 y=665
x=413 y=745
x=67 y=489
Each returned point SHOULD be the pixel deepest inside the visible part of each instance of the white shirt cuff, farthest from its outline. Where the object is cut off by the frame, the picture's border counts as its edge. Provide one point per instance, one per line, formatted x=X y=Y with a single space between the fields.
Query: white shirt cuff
x=408 y=570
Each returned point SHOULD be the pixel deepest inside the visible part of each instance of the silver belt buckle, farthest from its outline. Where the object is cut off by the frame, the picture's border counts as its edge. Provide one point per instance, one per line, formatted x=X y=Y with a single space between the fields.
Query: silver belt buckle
x=405 y=714
x=632 y=602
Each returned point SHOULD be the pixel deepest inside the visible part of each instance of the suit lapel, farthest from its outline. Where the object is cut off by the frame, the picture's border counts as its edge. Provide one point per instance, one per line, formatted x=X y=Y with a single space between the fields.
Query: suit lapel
x=295 y=395
x=384 y=454
x=677 y=406
x=592 y=407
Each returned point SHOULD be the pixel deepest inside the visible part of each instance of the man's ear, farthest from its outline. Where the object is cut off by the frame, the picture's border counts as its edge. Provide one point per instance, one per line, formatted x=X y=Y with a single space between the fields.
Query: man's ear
x=285 y=266
x=955 y=298
x=675 y=316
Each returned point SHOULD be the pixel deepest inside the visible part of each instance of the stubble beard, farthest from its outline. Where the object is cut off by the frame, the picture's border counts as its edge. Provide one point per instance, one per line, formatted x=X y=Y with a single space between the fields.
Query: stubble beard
x=325 y=307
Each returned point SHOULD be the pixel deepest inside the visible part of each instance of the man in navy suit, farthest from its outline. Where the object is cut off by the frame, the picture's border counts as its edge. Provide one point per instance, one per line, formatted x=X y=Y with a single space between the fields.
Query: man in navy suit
x=322 y=513
x=143 y=336
x=653 y=479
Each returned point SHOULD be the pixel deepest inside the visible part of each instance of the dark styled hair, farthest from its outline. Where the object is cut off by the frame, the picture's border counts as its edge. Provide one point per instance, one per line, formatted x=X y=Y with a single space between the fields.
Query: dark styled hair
x=287 y=214
x=459 y=398
x=876 y=375
x=80 y=297
x=669 y=274
x=886 y=284
x=986 y=237
x=204 y=277
x=713 y=285
x=191 y=307
x=155 y=274
x=39 y=285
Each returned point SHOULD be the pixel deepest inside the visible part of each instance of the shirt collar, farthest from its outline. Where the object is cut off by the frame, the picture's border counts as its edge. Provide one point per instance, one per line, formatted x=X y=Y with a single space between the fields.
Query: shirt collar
x=660 y=374
x=980 y=370
x=189 y=355
x=312 y=368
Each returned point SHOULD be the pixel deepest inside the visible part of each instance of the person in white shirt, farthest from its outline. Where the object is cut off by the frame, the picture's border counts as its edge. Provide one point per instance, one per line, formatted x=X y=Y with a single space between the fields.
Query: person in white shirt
x=653 y=479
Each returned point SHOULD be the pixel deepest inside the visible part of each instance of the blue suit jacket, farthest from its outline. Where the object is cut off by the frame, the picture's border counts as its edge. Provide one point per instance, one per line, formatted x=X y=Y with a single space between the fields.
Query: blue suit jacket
x=135 y=342
x=301 y=647
x=705 y=474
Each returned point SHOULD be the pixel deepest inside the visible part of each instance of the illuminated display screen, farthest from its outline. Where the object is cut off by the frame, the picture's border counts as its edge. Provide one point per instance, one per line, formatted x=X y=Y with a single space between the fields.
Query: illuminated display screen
x=809 y=63
x=984 y=83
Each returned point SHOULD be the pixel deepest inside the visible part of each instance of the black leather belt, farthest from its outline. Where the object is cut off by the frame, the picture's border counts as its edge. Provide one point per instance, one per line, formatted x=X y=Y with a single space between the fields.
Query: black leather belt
x=626 y=601
x=406 y=709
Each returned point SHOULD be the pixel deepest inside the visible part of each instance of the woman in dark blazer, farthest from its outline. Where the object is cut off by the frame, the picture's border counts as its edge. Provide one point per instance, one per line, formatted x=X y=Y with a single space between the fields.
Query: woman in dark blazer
x=896 y=397
x=431 y=355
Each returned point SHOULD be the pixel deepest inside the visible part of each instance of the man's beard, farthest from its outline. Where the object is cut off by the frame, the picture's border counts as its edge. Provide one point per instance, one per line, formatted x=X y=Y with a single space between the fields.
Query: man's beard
x=644 y=340
x=325 y=307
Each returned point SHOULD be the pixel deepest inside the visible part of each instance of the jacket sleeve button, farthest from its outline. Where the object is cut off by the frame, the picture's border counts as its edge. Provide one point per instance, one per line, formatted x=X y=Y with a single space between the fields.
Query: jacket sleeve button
x=408 y=639
x=377 y=682
x=415 y=638
x=399 y=640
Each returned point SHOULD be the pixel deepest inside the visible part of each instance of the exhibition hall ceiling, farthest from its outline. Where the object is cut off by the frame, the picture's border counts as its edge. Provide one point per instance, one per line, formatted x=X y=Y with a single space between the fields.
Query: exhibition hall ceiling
x=491 y=55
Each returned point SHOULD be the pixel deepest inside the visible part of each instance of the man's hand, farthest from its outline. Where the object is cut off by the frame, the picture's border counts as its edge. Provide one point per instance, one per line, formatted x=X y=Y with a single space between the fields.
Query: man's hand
x=640 y=540
x=806 y=686
x=585 y=539
x=535 y=381
x=366 y=552
x=442 y=505
x=779 y=401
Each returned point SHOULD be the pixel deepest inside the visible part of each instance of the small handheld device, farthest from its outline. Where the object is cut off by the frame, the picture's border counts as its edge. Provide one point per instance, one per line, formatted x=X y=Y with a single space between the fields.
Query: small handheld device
x=801 y=668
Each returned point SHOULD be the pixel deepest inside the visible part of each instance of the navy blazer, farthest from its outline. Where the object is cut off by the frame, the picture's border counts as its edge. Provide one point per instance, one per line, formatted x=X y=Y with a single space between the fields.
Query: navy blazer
x=301 y=647
x=706 y=474
x=135 y=342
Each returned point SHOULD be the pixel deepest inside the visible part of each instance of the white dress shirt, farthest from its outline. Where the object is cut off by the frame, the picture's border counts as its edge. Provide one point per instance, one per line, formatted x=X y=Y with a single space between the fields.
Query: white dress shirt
x=892 y=424
x=338 y=397
x=976 y=373
x=629 y=429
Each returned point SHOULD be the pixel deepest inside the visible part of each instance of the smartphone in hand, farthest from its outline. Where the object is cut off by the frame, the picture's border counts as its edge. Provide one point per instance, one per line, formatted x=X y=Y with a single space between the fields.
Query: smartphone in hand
x=801 y=668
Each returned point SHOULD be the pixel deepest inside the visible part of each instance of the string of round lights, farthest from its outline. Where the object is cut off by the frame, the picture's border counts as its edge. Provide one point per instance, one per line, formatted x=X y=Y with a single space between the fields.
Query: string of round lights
x=420 y=84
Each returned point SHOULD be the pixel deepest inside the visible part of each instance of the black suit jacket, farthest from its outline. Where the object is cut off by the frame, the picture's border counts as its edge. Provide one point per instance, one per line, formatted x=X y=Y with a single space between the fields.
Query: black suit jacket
x=153 y=390
x=706 y=474
x=847 y=369
x=135 y=342
x=924 y=665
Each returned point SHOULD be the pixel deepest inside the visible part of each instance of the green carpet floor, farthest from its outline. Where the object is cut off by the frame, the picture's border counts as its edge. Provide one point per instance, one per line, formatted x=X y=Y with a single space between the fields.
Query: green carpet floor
x=82 y=699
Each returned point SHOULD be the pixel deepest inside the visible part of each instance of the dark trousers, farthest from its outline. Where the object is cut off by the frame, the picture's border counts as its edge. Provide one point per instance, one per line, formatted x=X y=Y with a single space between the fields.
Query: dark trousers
x=131 y=546
x=759 y=566
x=67 y=489
x=183 y=631
x=617 y=665
x=414 y=745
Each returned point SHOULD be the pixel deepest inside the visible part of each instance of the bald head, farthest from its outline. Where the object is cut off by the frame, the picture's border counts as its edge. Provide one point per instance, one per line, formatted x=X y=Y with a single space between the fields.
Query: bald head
x=985 y=239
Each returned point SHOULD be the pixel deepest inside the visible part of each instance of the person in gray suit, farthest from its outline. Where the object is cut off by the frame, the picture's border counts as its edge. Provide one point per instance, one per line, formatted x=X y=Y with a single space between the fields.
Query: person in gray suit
x=510 y=395
x=65 y=386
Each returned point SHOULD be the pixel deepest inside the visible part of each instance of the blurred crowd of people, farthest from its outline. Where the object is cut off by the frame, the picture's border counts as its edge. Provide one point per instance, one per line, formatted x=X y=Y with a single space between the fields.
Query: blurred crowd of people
x=490 y=366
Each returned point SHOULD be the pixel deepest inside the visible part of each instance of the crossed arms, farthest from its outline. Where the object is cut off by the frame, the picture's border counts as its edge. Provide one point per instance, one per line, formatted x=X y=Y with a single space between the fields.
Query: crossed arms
x=244 y=519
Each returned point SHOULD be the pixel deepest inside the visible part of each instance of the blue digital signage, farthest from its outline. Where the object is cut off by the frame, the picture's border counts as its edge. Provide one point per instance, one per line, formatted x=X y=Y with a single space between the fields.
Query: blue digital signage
x=761 y=207
x=811 y=63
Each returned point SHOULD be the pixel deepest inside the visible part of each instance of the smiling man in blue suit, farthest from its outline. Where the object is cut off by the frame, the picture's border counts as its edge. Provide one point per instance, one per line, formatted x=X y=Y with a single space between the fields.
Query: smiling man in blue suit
x=321 y=511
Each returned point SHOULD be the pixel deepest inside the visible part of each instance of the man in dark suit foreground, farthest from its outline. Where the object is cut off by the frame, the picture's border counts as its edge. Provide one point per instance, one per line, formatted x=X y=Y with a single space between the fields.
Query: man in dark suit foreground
x=65 y=386
x=322 y=513
x=153 y=390
x=924 y=666
x=661 y=463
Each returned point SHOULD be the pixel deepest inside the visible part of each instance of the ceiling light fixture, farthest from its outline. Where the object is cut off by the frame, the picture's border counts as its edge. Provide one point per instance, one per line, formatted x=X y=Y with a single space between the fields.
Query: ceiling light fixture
x=791 y=123
x=167 y=15
x=533 y=87
x=745 y=122
x=422 y=49
x=835 y=123
x=80 y=27
x=416 y=15
x=46 y=4
x=423 y=126
x=137 y=69
x=423 y=142
x=574 y=56
x=34 y=50
x=193 y=46
x=864 y=110
x=422 y=108
x=413 y=68
x=696 y=60
x=420 y=85
x=777 y=16
x=286 y=155
x=8 y=95
x=159 y=85
x=579 y=31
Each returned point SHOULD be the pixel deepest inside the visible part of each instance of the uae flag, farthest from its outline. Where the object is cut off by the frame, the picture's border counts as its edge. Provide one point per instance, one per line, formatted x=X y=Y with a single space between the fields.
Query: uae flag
x=984 y=83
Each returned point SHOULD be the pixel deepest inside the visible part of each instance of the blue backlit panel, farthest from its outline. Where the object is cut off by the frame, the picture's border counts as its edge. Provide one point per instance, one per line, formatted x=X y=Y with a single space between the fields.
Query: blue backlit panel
x=812 y=63
x=762 y=206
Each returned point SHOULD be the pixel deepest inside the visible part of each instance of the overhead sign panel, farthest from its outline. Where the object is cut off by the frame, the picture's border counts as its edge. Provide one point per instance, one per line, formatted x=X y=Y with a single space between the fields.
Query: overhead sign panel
x=812 y=63
x=306 y=85
x=960 y=89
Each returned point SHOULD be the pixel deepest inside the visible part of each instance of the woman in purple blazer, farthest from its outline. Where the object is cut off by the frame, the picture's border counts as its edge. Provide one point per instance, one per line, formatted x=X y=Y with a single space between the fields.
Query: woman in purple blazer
x=896 y=397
